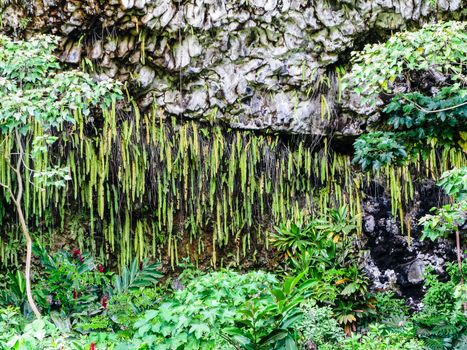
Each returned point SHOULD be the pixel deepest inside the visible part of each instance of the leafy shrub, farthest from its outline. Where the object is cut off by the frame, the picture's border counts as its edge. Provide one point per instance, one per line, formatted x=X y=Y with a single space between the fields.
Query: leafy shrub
x=13 y=292
x=71 y=283
x=388 y=306
x=454 y=183
x=18 y=334
x=442 y=322
x=323 y=253
x=378 y=149
x=445 y=220
x=378 y=337
x=439 y=46
x=31 y=84
x=425 y=120
x=269 y=323
x=319 y=326
x=125 y=308
x=417 y=123
x=194 y=317
x=77 y=292
x=450 y=217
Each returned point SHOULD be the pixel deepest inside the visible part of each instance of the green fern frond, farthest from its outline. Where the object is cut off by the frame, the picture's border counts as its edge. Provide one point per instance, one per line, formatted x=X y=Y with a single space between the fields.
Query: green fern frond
x=445 y=330
x=137 y=275
x=435 y=343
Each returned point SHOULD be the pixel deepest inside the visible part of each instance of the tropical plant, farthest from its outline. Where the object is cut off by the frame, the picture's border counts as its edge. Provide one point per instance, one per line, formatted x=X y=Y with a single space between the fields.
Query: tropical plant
x=379 y=337
x=451 y=218
x=138 y=275
x=323 y=253
x=35 y=95
x=388 y=306
x=77 y=293
x=14 y=292
x=442 y=321
x=454 y=183
x=71 y=286
x=268 y=323
x=437 y=47
x=431 y=109
x=318 y=326
x=19 y=334
x=416 y=124
x=126 y=308
x=320 y=244
x=194 y=317
x=378 y=149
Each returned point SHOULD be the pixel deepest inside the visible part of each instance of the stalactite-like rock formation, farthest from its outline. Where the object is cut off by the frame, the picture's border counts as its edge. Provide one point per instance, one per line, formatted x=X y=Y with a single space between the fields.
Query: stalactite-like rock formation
x=255 y=64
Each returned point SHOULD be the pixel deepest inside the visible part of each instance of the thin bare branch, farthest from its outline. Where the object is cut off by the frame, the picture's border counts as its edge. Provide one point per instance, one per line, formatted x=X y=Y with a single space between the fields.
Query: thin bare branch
x=10 y=192
x=424 y=110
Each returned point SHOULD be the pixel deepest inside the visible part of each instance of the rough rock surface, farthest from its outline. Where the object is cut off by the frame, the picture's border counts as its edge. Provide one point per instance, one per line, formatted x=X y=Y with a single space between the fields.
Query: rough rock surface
x=393 y=259
x=255 y=64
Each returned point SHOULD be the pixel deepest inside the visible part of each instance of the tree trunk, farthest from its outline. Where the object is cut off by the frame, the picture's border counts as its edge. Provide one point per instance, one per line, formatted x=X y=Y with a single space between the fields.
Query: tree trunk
x=459 y=260
x=27 y=273
x=459 y=254
x=24 y=226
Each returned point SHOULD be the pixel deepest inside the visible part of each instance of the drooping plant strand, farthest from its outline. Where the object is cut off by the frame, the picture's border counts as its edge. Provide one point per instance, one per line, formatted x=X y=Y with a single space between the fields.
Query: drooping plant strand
x=151 y=187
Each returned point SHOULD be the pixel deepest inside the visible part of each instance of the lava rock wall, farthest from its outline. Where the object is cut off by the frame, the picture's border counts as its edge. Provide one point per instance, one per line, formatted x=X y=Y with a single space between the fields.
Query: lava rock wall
x=253 y=64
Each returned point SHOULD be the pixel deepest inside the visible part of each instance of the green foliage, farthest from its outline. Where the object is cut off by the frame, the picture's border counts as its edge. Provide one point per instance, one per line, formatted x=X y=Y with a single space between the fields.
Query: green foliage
x=323 y=253
x=310 y=241
x=454 y=183
x=34 y=93
x=442 y=321
x=416 y=122
x=388 y=306
x=70 y=285
x=20 y=334
x=319 y=326
x=231 y=311
x=424 y=119
x=378 y=337
x=194 y=317
x=125 y=308
x=439 y=46
x=33 y=90
x=77 y=293
x=446 y=220
x=377 y=149
x=419 y=123
x=13 y=292
x=323 y=242
x=138 y=275
x=268 y=323
x=450 y=217
x=33 y=336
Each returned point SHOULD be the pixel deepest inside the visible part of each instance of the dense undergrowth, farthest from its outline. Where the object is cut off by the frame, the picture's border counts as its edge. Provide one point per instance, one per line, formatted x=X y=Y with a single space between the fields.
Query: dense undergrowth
x=88 y=308
x=318 y=299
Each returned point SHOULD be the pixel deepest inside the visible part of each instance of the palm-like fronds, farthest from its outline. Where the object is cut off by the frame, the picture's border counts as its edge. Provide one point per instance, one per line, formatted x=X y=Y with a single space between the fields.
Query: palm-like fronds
x=137 y=275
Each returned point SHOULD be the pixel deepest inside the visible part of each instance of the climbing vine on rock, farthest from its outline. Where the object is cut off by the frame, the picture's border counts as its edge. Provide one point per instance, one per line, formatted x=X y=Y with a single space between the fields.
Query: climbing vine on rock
x=415 y=124
x=434 y=54
x=420 y=79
